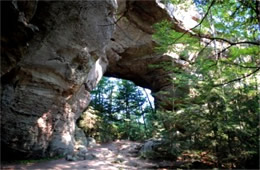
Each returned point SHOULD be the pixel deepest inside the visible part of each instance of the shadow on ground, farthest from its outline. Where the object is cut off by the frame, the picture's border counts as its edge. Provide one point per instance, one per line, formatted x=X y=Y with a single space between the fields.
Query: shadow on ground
x=115 y=155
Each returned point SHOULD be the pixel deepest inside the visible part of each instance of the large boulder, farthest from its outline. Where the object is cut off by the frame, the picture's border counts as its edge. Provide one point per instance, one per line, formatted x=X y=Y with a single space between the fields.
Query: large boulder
x=80 y=138
x=159 y=149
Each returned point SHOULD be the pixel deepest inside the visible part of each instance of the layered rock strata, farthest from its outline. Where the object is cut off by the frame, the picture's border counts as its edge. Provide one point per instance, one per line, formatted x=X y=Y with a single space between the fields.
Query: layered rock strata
x=51 y=59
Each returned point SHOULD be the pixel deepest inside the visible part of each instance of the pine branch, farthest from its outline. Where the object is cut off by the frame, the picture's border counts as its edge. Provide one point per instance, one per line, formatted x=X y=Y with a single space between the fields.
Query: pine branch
x=204 y=17
x=209 y=36
x=201 y=51
x=227 y=41
x=237 y=79
x=239 y=65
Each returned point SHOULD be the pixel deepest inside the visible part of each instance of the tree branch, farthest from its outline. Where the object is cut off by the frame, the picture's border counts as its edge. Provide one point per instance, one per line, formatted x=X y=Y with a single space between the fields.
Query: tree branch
x=237 y=79
x=204 y=17
x=227 y=41
x=201 y=51
x=210 y=37
x=239 y=65
x=115 y=22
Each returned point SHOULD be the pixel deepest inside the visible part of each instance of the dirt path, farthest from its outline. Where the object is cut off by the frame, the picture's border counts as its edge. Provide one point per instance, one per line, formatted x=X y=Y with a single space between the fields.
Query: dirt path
x=113 y=156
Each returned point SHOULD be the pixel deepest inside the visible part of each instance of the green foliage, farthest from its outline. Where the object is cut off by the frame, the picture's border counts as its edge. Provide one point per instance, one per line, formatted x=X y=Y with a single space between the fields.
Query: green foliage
x=88 y=121
x=165 y=36
x=221 y=113
x=119 y=110
x=93 y=124
x=224 y=123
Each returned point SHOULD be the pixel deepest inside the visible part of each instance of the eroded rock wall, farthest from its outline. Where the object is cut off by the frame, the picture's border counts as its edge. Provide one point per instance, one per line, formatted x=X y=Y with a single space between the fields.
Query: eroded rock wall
x=51 y=59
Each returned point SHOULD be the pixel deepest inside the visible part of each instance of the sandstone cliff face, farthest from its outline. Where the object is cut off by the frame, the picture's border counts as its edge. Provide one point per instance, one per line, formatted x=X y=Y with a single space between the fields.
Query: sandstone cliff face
x=54 y=53
x=47 y=75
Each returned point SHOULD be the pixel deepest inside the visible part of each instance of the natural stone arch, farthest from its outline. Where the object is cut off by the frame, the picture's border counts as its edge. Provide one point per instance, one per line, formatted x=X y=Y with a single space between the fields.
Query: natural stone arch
x=47 y=75
x=131 y=52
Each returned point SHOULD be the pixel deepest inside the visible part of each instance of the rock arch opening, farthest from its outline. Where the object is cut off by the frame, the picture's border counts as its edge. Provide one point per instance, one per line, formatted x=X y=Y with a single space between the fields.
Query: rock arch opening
x=119 y=110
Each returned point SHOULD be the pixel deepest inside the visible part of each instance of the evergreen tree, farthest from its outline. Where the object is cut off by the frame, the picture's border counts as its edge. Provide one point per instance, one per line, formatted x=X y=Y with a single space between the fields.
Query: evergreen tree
x=221 y=113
